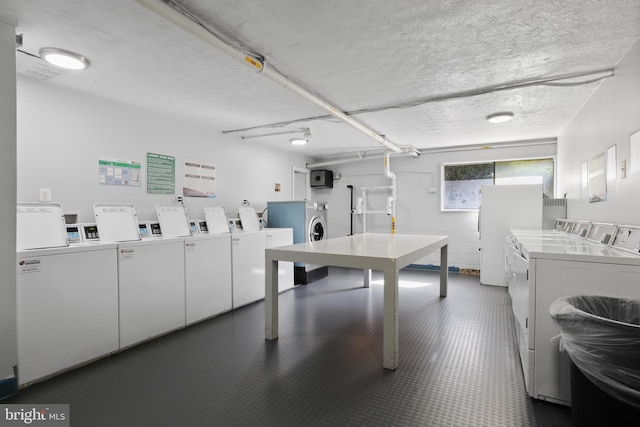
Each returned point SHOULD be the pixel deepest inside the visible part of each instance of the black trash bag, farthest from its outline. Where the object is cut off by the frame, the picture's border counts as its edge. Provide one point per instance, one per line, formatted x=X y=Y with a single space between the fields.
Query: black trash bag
x=602 y=337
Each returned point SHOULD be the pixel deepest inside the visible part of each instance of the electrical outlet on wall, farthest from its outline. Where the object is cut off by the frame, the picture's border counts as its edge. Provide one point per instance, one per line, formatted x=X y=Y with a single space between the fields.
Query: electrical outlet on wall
x=45 y=195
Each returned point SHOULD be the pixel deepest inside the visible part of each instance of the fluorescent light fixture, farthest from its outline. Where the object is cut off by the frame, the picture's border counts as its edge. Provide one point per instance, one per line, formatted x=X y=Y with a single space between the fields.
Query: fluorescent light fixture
x=64 y=58
x=501 y=117
x=298 y=141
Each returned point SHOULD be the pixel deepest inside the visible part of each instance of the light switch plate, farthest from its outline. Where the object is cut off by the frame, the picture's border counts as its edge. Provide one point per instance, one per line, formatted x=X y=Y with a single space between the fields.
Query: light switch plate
x=45 y=195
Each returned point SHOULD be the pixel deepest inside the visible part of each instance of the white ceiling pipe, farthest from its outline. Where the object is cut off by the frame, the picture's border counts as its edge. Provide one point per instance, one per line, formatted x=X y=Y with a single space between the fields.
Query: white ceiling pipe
x=526 y=143
x=391 y=200
x=172 y=15
x=356 y=159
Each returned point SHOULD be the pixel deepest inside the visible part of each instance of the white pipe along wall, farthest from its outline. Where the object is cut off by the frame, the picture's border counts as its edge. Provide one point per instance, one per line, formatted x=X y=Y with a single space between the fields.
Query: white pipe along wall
x=198 y=30
x=390 y=208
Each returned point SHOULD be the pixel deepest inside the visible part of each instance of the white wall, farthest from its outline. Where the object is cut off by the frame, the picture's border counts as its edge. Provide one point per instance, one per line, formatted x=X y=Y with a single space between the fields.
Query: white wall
x=609 y=117
x=8 y=345
x=417 y=210
x=62 y=134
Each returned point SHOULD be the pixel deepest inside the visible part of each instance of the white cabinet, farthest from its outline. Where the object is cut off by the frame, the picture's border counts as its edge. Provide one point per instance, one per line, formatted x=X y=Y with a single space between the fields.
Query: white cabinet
x=504 y=207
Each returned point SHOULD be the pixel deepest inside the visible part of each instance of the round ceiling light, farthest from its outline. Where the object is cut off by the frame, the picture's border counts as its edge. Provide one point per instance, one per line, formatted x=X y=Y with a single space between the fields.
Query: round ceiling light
x=298 y=141
x=501 y=117
x=64 y=58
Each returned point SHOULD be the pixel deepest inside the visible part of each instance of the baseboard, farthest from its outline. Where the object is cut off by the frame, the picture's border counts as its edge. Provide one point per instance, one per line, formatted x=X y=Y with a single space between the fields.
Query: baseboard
x=432 y=267
x=8 y=387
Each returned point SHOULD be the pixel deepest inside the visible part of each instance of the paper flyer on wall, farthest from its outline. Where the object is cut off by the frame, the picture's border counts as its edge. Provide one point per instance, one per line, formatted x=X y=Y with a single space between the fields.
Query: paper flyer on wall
x=199 y=180
x=119 y=172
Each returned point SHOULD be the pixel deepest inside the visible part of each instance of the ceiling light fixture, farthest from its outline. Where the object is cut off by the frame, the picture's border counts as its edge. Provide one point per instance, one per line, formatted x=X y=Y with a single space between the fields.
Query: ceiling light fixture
x=64 y=58
x=501 y=117
x=298 y=141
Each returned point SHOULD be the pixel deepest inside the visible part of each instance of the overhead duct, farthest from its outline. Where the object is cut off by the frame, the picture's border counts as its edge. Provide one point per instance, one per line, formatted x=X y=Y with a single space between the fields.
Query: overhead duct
x=196 y=29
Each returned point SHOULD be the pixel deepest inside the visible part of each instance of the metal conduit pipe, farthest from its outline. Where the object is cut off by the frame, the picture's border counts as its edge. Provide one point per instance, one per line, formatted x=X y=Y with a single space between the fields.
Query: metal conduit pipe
x=190 y=26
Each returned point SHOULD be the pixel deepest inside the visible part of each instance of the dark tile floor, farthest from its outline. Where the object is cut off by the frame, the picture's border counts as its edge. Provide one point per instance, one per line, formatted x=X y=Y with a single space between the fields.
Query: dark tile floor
x=458 y=365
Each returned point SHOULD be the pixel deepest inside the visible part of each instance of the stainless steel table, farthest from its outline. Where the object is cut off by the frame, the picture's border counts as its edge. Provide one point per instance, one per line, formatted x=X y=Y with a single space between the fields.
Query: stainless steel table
x=386 y=252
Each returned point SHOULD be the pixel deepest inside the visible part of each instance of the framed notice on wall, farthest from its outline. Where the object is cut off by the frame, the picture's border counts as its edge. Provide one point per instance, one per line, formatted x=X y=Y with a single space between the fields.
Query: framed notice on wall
x=598 y=178
x=161 y=174
x=199 y=180
x=634 y=153
x=125 y=173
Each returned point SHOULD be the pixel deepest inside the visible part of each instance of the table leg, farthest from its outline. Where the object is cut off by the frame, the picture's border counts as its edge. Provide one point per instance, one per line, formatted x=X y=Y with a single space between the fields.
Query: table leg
x=271 y=299
x=390 y=325
x=367 y=277
x=444 y=271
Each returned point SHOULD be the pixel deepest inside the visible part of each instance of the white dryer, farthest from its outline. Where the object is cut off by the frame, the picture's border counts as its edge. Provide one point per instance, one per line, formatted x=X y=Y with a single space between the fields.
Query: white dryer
x=67 y=296
x=546 y=268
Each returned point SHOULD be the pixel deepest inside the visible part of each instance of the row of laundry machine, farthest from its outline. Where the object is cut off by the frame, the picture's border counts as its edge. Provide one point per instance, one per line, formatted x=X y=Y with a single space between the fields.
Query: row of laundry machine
x=87 y=290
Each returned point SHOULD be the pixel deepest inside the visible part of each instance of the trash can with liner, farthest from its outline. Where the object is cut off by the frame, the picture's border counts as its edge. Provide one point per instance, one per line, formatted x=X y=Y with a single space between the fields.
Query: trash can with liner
x=602 y=338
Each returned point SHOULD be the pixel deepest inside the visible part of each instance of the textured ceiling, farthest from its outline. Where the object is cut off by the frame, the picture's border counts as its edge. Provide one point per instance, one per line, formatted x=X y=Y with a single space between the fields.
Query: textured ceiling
x=358 y=55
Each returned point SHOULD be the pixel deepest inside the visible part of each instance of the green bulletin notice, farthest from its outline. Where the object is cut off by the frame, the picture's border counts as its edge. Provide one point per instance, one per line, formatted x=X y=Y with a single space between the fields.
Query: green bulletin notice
x=123 y=173
x=161 y=174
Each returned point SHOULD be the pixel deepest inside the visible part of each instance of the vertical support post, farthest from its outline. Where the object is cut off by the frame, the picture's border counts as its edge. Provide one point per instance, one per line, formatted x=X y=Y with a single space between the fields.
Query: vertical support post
x=271 y=298
x=390 y=326
x=444 y=270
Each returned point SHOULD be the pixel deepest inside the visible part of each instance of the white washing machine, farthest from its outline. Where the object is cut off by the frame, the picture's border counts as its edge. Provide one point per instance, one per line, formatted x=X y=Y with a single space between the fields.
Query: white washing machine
x=67 y=296
x=207 y=264
x=282 y=237
x=151 y=290
x=309 y=222
x=207 y=275
x=247 y=259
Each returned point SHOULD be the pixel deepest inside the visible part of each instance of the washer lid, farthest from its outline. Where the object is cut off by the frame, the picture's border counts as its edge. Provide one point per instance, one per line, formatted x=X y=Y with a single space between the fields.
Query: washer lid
x=117 y=222
x=215 y=219
x=249 y=218
x=40 y=225
x=174 y=220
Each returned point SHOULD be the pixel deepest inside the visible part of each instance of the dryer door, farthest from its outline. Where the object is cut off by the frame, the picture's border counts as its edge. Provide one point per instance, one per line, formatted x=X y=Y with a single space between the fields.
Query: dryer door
x=317 y=229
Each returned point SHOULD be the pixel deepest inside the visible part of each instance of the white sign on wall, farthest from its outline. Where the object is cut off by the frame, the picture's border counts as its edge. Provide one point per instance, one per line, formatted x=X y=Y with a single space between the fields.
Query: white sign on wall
x=124 y=173
x=199 y=180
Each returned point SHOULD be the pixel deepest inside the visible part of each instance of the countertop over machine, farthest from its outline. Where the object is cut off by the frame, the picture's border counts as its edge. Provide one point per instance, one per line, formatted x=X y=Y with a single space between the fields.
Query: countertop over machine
x=386 y=252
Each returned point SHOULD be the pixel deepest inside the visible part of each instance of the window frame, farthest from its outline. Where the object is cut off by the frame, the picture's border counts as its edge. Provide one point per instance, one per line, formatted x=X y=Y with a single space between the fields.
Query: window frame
x=442 y=180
